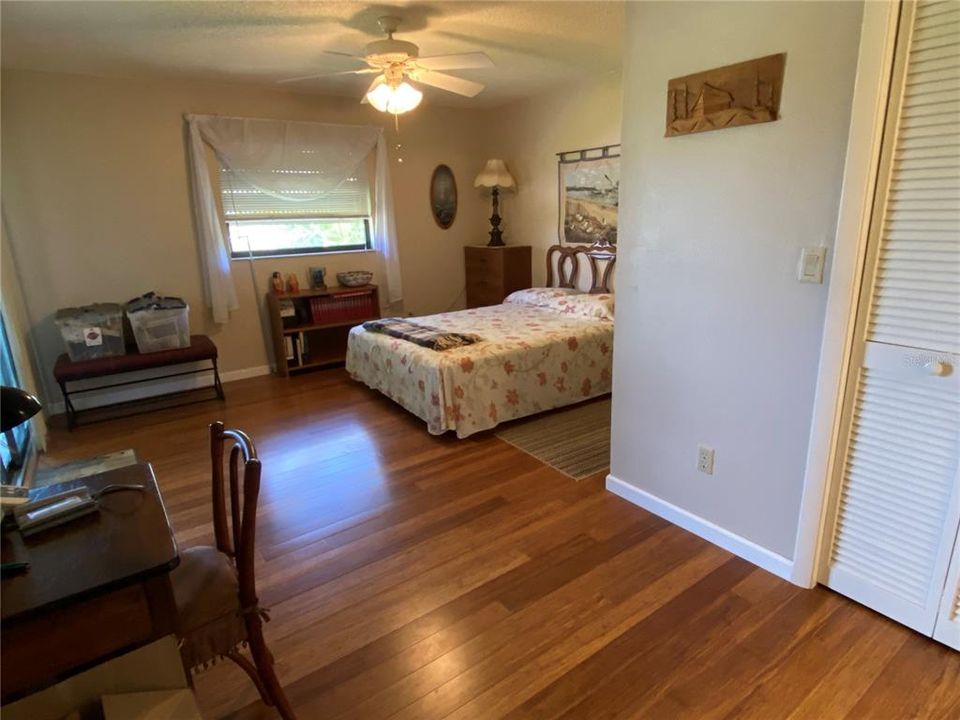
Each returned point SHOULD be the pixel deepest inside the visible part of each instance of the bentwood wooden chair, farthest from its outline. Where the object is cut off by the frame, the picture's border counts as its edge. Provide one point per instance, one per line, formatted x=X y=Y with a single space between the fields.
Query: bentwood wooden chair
x=215 y=588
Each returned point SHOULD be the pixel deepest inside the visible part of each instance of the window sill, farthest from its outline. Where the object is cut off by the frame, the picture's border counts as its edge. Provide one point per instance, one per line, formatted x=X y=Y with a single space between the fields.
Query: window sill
x=325 y=253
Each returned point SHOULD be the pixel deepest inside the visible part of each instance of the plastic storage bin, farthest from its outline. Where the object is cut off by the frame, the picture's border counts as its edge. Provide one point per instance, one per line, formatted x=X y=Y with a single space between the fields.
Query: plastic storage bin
x=92 y=331
x=159 y=323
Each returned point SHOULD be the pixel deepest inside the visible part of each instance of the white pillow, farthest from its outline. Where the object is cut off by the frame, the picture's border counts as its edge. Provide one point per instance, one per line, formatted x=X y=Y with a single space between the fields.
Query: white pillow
x=567 y=301
x=539 y=297
x=599 y=307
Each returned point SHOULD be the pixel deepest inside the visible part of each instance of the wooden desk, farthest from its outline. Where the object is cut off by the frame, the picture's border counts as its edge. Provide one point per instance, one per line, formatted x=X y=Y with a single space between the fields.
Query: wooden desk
x=97 y=587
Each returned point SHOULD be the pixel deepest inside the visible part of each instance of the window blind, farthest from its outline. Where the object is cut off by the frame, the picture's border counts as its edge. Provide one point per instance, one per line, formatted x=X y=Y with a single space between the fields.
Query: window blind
x=292 y=194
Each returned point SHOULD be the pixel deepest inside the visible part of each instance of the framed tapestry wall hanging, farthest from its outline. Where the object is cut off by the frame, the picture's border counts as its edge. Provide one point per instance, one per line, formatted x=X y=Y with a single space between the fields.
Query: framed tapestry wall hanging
x=589 y=186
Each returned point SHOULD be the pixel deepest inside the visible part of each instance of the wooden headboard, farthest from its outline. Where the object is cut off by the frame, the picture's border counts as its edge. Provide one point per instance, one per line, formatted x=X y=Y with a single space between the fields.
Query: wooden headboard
x=567 y=265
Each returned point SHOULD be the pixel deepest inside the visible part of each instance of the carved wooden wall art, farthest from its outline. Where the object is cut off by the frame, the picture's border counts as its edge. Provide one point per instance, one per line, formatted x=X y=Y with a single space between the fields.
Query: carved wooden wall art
x=740 y=94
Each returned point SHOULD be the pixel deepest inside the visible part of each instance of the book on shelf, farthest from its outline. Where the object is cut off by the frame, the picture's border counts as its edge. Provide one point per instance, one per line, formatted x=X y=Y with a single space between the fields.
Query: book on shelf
x=304 y=349
x=287 y=309
x=303 y=314
x=346 y=308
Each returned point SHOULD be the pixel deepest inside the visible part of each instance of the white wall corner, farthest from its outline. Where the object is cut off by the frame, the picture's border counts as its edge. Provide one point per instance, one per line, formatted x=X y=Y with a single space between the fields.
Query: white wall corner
x=738 y=545
x=878 y=37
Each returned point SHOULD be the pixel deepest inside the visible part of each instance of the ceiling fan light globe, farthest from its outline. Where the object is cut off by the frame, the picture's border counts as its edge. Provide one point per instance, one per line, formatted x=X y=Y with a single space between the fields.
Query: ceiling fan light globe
x=395 y=100
x=380 y=96
x=405 y=98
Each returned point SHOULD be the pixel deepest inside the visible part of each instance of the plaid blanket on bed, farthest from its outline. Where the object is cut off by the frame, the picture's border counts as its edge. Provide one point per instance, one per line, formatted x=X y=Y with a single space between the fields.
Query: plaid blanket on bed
x=422 y=335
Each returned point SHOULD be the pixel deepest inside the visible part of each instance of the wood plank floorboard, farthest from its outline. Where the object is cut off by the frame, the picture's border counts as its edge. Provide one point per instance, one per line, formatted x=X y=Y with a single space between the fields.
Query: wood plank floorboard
x=419 y=577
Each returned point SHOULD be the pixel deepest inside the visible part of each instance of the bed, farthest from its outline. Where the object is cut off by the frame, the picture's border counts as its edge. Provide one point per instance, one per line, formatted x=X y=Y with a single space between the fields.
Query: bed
x=543 y=348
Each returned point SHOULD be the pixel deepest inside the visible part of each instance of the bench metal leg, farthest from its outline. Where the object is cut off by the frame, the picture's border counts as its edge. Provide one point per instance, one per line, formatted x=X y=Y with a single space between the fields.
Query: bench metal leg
x=68 y=407
x=218 y=386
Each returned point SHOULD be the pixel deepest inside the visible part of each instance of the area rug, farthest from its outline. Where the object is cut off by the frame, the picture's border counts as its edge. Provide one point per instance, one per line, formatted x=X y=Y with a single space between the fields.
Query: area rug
x=575 y=441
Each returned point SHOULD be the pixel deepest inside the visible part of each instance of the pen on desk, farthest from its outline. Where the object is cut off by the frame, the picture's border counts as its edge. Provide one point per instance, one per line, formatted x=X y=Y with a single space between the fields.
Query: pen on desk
x=13 y=568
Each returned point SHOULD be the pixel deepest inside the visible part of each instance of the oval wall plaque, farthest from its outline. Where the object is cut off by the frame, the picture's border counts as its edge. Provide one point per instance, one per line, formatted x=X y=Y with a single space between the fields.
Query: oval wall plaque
x=443 y=196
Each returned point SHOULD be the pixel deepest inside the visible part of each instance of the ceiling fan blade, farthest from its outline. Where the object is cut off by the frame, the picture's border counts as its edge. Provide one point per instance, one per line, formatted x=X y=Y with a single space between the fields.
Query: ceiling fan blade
x=342 y=54
x=467 y=88
x=300 y=79
x=459 y=61
x=364 y=71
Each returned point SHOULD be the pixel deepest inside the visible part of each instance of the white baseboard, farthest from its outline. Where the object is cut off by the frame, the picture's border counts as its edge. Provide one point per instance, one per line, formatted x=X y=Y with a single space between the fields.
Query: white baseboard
x=740 y=546
x=245 y=373
x=91 y=400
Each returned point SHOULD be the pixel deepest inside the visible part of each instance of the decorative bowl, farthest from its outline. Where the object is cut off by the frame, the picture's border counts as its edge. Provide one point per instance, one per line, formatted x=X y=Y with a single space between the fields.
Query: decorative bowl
x=354 y=278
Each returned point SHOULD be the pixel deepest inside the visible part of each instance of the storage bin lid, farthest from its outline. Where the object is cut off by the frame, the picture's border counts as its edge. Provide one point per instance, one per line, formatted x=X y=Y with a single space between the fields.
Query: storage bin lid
x=90 y=314
x=152 y=301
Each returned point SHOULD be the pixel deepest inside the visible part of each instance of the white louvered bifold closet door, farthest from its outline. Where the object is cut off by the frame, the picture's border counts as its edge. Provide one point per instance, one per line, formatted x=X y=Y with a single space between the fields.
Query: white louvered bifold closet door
x=898 y=506
x=947 y=629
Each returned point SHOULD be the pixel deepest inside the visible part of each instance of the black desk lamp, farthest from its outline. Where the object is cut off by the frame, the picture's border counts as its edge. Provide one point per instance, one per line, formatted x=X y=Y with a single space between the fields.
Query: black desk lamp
x=16 y=407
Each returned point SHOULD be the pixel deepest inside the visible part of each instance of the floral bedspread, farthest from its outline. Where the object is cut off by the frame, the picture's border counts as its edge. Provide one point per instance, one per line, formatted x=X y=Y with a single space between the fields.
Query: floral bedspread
x=531 y=359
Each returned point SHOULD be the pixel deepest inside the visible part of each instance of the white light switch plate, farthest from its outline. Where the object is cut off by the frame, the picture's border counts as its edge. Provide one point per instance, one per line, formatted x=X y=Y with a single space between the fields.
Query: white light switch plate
x=810 y=268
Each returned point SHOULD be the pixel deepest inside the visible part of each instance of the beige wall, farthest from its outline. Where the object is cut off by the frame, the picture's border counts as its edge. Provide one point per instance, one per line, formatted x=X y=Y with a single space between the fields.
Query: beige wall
x=717 y=342
x=529 y=134
x=96 y=196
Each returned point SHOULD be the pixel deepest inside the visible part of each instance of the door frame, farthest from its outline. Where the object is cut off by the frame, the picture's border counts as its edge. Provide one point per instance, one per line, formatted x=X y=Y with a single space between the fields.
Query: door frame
x=875 y=65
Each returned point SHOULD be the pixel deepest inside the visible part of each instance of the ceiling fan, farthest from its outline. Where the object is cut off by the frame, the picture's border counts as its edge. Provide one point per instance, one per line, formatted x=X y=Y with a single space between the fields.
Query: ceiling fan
x=396 y=61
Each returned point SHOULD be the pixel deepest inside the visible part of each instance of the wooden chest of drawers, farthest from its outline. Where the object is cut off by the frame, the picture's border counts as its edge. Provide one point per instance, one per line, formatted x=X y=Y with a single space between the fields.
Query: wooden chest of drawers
x=495 y=272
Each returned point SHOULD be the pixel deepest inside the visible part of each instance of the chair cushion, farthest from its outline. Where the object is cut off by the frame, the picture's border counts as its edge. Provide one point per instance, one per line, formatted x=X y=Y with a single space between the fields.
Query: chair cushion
x=206 y=592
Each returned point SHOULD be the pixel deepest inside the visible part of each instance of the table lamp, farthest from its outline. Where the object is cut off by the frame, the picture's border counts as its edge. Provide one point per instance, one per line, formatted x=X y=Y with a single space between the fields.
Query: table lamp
x=16 y=407
x=495 y=175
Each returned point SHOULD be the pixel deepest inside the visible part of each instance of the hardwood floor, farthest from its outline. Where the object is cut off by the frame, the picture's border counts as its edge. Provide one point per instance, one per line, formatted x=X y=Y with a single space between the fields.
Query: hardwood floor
x=410 y=576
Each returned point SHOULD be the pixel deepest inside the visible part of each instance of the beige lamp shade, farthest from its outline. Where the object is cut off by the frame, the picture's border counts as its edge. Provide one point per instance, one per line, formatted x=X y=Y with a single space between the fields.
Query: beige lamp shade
x=495 y=174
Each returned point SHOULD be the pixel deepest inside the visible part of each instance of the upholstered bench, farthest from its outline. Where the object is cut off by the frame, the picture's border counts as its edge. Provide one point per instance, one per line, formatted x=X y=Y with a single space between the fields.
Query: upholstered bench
x=65 y=371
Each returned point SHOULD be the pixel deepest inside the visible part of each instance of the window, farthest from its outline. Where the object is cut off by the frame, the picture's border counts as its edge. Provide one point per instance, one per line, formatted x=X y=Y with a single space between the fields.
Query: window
x=13 y=444
x=297 y=236
x=294 y=217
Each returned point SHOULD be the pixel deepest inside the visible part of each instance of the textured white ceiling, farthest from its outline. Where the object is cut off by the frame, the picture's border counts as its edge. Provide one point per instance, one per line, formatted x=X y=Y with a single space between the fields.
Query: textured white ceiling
x=535 y=45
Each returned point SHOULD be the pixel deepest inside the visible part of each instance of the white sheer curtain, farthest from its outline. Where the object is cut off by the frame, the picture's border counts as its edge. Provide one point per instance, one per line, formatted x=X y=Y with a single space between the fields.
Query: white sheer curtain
x=384 y=227
x=293 y=162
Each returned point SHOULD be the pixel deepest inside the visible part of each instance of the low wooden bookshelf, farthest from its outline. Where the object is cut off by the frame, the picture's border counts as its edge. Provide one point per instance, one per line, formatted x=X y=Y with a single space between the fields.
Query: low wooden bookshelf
x=310 y=327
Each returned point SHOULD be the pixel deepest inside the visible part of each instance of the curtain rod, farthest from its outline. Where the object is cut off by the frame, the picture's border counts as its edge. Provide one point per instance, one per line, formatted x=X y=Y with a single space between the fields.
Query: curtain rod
x=605 y=152
x=188 y=116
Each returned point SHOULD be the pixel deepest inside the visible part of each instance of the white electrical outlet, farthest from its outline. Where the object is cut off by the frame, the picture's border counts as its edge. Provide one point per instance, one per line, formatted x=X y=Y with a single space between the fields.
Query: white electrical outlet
x=705 y=459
